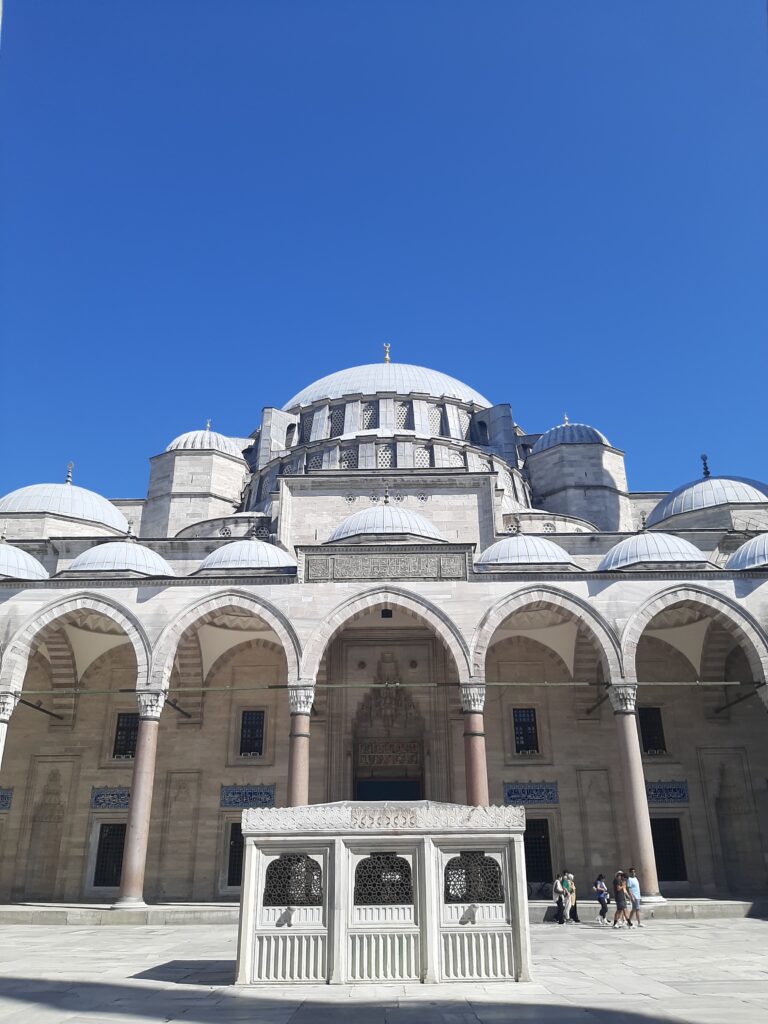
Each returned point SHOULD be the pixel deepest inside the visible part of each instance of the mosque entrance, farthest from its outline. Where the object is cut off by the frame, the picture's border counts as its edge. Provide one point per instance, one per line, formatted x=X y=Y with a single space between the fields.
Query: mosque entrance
x=388 y=789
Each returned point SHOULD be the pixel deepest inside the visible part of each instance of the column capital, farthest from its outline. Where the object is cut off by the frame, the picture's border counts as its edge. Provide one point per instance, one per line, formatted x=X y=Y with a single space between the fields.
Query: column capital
x=473 y=696
x=623 y=698
x=8 y=702
x=301 y=697
x=151 y=703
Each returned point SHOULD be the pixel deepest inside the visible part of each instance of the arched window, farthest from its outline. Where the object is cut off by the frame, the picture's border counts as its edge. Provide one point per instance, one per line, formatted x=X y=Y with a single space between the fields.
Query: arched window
x=481 y=430
x=290 y=434
x=383 y=878
x=473 y=878
x=293 y=880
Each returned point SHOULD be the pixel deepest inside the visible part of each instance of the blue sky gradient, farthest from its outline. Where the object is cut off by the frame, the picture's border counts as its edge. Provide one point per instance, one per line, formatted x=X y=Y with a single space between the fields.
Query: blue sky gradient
x=206 y=206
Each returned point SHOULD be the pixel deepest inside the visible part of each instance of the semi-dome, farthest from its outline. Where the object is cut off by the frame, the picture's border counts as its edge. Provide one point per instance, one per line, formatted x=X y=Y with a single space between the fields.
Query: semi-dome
x=382 y=520
x=396 y=378
x=751 y=555
x=708 y=492
x=246 y=556
x=64 y=500
x=569 y=433
x=649 y=548
x=121 y=556
x=205 y=441
x=522 y=549
x=16 y=564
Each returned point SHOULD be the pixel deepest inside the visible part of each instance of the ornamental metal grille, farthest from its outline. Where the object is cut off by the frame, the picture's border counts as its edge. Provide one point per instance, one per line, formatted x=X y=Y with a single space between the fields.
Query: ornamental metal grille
x=404 y=415
x=385 y=456
x=369 y=416
x=464 y=423
x=526 y=731
x=422 y=458
x=293 y=880
x=383 y=879
x=473 y=878
x=109 y=855
x=456 y=460
x=315 y=461
x=306 y=427
x=348 y=458
x=435 y=420
x=126 y=734
x=252 y=734
x=652 y=731
x=337 y=420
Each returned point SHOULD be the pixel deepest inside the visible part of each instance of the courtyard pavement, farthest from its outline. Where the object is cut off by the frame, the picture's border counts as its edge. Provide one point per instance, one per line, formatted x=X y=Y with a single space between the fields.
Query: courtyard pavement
x=702 y=972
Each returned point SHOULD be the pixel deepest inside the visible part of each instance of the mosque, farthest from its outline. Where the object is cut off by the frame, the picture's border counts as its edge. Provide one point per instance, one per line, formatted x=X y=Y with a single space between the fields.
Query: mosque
x=390 y=590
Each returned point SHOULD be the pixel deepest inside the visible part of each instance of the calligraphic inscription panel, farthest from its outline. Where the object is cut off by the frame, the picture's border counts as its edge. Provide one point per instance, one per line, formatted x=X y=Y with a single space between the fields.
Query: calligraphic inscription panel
x=390 y=753
x=386 y=566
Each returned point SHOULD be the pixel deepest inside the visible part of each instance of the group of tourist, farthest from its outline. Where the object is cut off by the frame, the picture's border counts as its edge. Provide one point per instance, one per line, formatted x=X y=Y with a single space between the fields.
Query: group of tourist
x=626 y=895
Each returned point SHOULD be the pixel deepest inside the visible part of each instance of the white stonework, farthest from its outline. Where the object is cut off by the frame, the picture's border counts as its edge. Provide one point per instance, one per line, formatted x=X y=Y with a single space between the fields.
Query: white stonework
x=623 y=698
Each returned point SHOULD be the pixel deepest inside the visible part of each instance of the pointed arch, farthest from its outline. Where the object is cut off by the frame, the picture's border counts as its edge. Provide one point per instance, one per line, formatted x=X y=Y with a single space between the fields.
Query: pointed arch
x=206 y=610
x=724 y=611
x=534 y=597
x=386 y=597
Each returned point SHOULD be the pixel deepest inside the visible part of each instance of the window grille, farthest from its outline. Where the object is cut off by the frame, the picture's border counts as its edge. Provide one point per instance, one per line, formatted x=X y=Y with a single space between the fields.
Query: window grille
x=526 y=731
x=337 y=420
x=456 y=460
x=435 y=421
x=538 y=855
x=404 y=415
x=464 y=423
x=252 y=734
x=348 y=458
x=315 y=461
x=306 y=427
x=385 y=456
x=294 y=880
x=651 y=731
x=383 y=879
x=235 y=862
x=126 y=735
x=109 y=855
x=473 y=878
x=668 y=849
x=369 y=416
x=422 y=458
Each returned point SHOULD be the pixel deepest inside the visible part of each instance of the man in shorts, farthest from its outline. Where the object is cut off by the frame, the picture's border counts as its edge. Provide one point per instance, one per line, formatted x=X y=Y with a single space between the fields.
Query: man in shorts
x=633 y=889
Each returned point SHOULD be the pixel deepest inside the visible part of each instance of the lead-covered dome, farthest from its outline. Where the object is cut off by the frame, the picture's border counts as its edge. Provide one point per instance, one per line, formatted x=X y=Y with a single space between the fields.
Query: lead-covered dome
x=385 y=521
x=205 y=441
x=121 y=557
x=16 y=564
x=751 y=555
x=569 y=433
x=65 y=500
x=650 y=548
x=395 y=378
x=707 y=493
x=246 y=556
x=522 y=549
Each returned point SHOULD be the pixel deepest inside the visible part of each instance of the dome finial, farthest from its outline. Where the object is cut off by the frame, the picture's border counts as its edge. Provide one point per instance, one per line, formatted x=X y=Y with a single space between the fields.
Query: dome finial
x=208 y=423
x=387 y=347
x=3 y=533
x=70 y=467
x=566 y=421
x=705 y=465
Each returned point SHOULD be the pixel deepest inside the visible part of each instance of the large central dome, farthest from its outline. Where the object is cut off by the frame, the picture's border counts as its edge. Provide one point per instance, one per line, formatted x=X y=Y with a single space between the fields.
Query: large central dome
x=395 y=378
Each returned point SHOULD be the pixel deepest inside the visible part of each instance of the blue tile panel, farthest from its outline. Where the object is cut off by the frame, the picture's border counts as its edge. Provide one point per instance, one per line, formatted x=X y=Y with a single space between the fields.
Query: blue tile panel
x=110 y=798
x=531 y=793
x=667 y=792
x=247 y=796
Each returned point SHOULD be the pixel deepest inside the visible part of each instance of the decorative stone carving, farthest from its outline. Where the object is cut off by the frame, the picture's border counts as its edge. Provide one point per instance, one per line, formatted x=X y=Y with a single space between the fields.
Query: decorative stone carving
x=8 y=702
x=247 y=796
x=385 y=566
x=473 y=697
x=623 y=698
x=301 y=699
x=110 y=798
x=667 y=791
x=151 y=704
x=531 y=793
x=389 y=753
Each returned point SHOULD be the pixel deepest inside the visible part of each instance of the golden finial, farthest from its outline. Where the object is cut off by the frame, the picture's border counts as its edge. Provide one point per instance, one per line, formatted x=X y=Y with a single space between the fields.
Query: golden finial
x=70 y=467
x=386 y=351
x=566 y=421
x=208 y=423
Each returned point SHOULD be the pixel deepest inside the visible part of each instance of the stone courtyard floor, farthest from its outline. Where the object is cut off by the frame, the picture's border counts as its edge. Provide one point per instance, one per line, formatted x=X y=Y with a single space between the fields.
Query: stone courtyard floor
x=703 y=972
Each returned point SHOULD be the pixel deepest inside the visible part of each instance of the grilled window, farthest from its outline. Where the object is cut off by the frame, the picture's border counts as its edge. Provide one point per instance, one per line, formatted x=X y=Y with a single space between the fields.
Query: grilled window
x=294 y=880
x=383 y=879
x=651 y=731
x=252 y=734
x=463 y=417
x=348 y=458
x=526 y=731
x=422 y=458
x=473 y=878
x=306 y=427
x=385 y=456
x=369 y=416
x=315 y=461
x=235 y=862
x=337 y=420
x=404 y=415
x=455 y=460
x=109 y=855
x=436 y=421
x=126 y=734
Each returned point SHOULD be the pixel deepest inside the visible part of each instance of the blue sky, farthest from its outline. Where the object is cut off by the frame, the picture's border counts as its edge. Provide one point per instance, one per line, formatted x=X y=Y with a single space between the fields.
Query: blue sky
x=205 y=206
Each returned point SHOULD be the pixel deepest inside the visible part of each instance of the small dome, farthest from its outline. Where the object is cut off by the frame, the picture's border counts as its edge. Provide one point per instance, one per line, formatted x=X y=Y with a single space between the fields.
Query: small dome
x=121 y=556
x=649 y=548
x=522 y=549
x=395 y=378
x=569 y=433
x=246 y=555
x=708 y=492
x=205 y=441
x=16 y=564
x=751 y=555
x=64 y=500
x=385 y=520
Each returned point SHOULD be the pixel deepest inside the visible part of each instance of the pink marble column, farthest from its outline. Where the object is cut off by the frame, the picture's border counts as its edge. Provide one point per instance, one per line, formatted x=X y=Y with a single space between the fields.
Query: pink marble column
x=475 y=766
x=623 y=699
x=8 y=702
x=300 y=700
x=140 y=808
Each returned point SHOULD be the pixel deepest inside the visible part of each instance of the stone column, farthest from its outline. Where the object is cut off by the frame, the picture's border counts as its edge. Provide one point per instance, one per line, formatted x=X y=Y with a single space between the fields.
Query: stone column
x=137 y=833
x=300 y=700
x=8 y=702
x=623 y=699
x=475 y=767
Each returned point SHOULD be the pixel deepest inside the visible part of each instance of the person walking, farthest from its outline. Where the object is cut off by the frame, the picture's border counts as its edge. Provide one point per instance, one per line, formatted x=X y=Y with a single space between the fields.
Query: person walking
x=622 y=899
x=600 y=890
x=573 y=913
x=558 y=895
x=633 y=890
x=568 y=902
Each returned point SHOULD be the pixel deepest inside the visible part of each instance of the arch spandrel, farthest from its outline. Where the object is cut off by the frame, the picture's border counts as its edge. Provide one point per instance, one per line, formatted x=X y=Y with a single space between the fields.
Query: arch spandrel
x=721 y=609
x=387 y=597
x=606 y=641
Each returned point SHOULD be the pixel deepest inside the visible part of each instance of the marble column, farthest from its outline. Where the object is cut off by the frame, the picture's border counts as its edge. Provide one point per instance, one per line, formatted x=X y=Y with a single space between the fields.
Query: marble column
x=137 y=833
x=8 y=702
x=623 y=699
x=300 y=700
x=475 y=767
